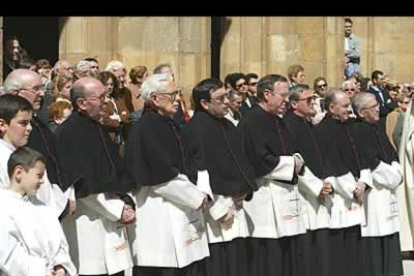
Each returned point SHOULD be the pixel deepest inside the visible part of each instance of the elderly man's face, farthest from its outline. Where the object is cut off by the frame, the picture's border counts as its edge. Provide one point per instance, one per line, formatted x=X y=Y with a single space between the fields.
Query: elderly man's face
x=370 y=111
x=33 y=91
x=95 y=100
x=167 y=102
x=340 y=107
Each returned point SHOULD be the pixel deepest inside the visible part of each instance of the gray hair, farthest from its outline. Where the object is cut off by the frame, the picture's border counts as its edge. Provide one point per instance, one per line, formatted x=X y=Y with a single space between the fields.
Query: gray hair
x=156 y=83
x=16 y=80
x=361 y=99
x=347 y=82
x=114 y=65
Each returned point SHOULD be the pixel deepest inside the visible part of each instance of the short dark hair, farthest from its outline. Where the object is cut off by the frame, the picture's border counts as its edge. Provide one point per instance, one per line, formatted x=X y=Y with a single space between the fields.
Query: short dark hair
x=11 y=104
x=26 y=63
x=348 y=20
x=267 y=83
x=137 y=72
x=203 y=90
x=234 y=77
x=294 y=70
x=91 y=59
x=251 y=76
x=376 y=74
x=295 y=91
x=25 y=157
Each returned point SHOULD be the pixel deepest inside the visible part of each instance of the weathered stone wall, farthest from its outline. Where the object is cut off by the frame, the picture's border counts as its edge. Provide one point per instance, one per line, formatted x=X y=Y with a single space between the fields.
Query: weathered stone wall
x=251 y=44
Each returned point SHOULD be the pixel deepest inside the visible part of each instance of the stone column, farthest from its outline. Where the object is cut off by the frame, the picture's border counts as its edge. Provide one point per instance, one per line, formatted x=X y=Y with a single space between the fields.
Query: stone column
x=83 y=37
x=334 y=53
x=183 y=42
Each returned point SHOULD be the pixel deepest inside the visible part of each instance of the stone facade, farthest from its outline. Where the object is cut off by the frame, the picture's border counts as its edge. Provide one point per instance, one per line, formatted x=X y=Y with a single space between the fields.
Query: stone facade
x=250 y=44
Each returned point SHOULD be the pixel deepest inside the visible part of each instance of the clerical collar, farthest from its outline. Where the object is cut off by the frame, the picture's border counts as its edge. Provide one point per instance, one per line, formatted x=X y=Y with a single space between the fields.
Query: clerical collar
x=7 y=145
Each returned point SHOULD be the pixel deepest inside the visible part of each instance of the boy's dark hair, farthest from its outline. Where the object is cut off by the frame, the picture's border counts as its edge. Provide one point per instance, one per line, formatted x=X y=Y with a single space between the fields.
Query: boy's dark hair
x=25 y=157
x=10 y=105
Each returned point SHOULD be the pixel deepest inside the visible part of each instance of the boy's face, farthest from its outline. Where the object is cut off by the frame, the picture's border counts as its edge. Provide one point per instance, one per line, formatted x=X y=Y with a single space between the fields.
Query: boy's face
x=17 y=132
x=31 y=180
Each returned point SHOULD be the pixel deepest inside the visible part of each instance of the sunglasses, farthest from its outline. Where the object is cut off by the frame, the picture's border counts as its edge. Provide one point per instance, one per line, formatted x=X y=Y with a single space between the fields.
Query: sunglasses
x=253 y=83
x=322 y=85
x=350 y=89
x=240 y=85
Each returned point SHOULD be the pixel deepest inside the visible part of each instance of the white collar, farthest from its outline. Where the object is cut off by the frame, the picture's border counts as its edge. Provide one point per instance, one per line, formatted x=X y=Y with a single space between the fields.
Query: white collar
x=7 y=145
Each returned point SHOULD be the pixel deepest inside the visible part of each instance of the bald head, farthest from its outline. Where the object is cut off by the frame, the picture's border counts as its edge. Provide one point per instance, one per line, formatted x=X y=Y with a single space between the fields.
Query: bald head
x=88 y=95
x=20 y=78
x=337 y=104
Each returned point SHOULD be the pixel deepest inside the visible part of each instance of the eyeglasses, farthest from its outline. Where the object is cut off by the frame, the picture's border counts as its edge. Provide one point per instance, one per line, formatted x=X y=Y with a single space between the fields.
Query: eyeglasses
x=405 y=102
x=349 y=89
x=308 y=99
x=102 y=97
x=371 y=107
x=322 y=85
x=172 y=95
x=222 y=97
x=240 y=85
x=283 y=95
x=34 y=89
x=253 y=84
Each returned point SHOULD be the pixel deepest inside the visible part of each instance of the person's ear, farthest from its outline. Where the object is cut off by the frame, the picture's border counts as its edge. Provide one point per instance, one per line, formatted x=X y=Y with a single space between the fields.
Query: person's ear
x=18 y=173
x=155 y=100
x=3 y=125
x=204 y=104
x=81 y=103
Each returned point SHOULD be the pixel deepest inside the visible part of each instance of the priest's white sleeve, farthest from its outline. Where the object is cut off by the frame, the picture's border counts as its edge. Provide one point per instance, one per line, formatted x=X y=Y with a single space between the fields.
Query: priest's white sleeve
x=284 y=170
x=309 y=183
x=14 y=259
x=203 y=183
x=365 y=176
x=220 y=207
x=63 y=257
x=389 y=176
x=181 y=191
x=345 y=185
x=109 y=207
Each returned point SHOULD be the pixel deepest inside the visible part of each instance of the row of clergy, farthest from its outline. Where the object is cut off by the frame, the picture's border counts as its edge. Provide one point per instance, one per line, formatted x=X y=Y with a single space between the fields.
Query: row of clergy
x=274 y=196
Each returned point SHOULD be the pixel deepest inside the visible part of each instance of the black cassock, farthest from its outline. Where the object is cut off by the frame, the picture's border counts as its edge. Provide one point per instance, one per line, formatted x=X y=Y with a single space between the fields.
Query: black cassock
x=156 y=153
x=216 y=146
x=382 y=255
x=44 y=141
x=309 y=145
x=90 y=159
x=264 y=139
x=341 y=157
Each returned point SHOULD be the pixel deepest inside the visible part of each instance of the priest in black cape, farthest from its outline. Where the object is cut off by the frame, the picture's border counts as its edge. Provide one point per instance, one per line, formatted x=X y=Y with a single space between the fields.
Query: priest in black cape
x=96 y=173
x=380 y=234
x=170 y=236
x=216 y=150
x=344 y=161
x=276 y=213
x=315 y=186
x=27 y=84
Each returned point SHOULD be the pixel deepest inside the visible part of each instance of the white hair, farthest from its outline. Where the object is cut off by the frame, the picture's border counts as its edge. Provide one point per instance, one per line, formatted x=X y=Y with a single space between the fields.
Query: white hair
x=114 y=65
x=156 y=83
x=17 y=79
x=83 y=65
x=347 y=82
x=361 y=99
